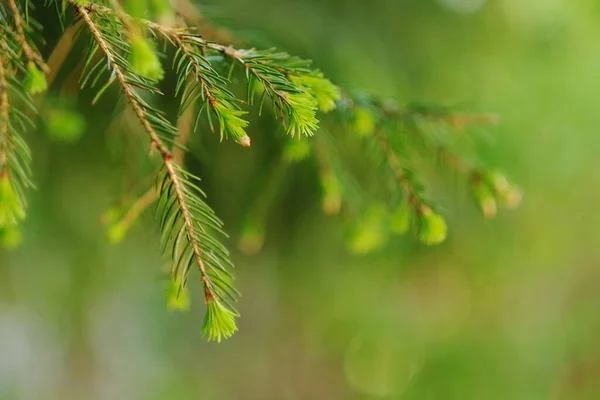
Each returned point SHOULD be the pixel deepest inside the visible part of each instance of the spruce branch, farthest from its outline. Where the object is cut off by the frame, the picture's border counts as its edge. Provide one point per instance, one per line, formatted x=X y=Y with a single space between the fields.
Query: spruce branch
x=15 y=157
x=3 y=110
x=202 y=81
x=32 y=55
x=187 y=222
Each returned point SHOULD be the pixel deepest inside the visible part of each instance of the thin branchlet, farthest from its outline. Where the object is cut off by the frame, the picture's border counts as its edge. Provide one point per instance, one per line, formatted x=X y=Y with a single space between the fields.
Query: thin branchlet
x=3 y=110
x=295 y=106
x=30 y=53
x=296 y=91
x=171 y=169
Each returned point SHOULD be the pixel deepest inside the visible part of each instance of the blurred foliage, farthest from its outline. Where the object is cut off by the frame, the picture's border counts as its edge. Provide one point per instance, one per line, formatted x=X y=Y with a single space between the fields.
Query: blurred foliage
x=505 y=309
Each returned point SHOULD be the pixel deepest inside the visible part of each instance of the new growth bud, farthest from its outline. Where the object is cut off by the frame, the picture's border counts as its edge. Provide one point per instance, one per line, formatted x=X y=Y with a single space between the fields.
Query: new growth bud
x=219 y=321
x=370 y=231
x=244 y=141
x=432 y=227
x=363 y=122
x=508 y=193
x=35 y=80
x=144 y=60
x=10 y=237
x=11 y=209
x=484 y=198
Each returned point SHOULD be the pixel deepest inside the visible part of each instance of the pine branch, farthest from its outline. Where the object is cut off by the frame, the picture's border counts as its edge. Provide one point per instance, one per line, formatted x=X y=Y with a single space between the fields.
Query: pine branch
x=295 y=104
x=186 y=220
x=3 y=111
x=202 y=81
x=32 y=55
x=15 y=157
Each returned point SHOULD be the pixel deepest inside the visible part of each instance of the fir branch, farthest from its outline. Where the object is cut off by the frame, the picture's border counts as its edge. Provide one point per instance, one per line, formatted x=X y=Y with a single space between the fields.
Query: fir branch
x=276 y=73
x=3 y=110
x=187 y=222
x=296 y=107
x=32 y=55
x=206 y=83
x=15 y=156
x=197 y=79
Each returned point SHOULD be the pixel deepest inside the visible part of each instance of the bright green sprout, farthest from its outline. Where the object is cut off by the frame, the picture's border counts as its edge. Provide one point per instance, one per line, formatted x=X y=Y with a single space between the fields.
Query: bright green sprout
x=230 y=120
x=11 y=209
x=144 y=60
x=432 y=227
x=509 y=194
x=302 y=118
x=10 y=237
x=35 y=80
x=219 y=321
x=321 y=88
x=370 y=231
x=484 y=198
x=363 y=121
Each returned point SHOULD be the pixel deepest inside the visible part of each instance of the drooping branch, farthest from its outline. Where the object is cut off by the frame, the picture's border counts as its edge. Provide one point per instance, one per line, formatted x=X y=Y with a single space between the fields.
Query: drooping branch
x=3 y=110
x=31 y=54
x=183 y=211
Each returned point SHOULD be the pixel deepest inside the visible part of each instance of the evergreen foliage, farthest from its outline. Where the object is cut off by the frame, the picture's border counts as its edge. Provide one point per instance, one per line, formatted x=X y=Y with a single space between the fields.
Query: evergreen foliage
x=123 y=52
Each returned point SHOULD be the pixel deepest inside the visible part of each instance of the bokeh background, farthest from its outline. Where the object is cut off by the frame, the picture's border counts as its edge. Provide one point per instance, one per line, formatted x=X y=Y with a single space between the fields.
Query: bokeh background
x=505 y=309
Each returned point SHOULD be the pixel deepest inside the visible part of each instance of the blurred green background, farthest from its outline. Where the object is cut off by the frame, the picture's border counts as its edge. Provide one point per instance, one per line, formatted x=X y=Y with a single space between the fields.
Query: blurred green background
x=507 y=309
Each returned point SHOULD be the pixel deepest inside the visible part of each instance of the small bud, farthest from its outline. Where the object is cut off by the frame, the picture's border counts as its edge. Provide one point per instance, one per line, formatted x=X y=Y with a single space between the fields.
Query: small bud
x=244 y=141
x=116 y=232
x=484 y=198
x=144 y=60
x=497 y=181
x=400 y=219
x=331 y=200
x=363 y=122
x=10 y=237
x=11 y=209
x=512 y=198
x=370 y=231
x=35 y=80
x=432 y=227
x=219 y=321
x=321 y=88
x=509 y=194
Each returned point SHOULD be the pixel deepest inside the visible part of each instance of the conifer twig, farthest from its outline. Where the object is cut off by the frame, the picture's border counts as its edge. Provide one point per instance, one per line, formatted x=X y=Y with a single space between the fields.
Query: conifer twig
x=3 y=111
x=31 y=55
x=159 y=145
